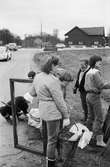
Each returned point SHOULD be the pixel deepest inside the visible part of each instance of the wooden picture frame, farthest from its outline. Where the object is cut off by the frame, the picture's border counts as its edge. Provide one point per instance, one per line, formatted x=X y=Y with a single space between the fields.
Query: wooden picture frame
x=15 y=134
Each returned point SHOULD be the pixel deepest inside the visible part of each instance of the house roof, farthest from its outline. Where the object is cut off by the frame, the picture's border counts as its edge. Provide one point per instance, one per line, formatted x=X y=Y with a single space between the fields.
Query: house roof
x=94 y=30
x=90 y=30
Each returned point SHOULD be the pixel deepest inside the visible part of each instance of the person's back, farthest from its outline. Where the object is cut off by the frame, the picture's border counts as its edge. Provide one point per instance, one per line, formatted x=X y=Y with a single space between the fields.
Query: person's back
x=42 y=82
x=50 y=97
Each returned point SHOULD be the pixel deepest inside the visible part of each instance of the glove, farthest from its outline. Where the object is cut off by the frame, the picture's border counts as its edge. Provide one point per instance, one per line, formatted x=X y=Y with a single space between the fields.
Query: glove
x=66 y=122
x=74 y=91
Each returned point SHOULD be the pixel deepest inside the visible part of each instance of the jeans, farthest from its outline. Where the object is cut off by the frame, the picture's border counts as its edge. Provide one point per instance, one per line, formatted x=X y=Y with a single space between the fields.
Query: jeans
x=95 y=116
x=53 y=128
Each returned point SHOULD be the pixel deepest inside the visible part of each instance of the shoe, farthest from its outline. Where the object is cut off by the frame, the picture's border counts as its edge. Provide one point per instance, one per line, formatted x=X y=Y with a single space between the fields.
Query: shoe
x=99 y=141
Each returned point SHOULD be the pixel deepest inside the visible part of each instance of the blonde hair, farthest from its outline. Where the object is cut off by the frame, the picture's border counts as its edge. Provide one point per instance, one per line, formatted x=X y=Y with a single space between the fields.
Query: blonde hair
x=66 y=76
x=45 y=60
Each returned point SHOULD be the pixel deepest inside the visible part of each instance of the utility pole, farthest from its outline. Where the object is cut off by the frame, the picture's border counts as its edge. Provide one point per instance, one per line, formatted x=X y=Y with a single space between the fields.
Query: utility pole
x=41 y=36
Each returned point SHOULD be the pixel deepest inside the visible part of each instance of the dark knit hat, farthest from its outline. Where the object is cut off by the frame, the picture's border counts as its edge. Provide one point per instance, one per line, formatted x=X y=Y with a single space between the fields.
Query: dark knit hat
x=31 y=74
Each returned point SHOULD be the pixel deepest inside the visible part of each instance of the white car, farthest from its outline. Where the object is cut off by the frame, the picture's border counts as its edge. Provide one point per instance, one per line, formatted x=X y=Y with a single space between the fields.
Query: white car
x=12 y=46
x=5 y=54
x=60 y=45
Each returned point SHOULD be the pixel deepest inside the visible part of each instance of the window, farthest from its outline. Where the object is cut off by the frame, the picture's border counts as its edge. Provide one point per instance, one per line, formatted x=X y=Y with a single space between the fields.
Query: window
x=66 y=36
x=70 y=43
x=80 y=43
x=96 y=42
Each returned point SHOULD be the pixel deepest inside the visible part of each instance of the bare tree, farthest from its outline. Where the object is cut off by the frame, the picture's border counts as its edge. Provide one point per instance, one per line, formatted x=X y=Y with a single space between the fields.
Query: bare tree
x=55 y=33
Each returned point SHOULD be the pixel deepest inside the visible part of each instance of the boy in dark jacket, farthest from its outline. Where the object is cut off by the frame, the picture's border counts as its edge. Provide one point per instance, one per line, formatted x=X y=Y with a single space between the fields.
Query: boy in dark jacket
x=79 y=84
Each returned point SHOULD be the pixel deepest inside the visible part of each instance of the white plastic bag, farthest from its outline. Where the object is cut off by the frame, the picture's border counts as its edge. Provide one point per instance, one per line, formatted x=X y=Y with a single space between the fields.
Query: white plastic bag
x=80 y=130
x=28 y=97
x=85 y=139
x=34 y=118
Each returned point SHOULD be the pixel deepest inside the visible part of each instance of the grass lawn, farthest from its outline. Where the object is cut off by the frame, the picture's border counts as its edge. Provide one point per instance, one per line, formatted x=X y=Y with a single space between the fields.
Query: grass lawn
x=88 y=157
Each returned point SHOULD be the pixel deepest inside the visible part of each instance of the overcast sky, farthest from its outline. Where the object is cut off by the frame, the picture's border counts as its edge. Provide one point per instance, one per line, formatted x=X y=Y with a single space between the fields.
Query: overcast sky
x=26 y=16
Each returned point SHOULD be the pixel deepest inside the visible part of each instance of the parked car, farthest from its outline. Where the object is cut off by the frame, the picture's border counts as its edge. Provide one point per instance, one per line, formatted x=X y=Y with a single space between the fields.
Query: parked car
x=5 y=53
x=12 y=46
x=19 y=46
x=60 y=45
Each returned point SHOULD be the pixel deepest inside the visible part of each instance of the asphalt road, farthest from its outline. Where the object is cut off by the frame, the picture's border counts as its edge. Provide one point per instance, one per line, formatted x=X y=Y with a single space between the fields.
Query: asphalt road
x=18 y=67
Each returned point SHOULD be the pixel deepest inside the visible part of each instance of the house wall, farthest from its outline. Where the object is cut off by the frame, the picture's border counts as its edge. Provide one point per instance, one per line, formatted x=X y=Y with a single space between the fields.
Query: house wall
x=98 y=38
x=78 y=37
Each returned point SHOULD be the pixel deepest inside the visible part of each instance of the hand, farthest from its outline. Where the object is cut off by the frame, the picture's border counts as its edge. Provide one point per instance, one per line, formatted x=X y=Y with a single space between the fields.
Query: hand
x=66 y=122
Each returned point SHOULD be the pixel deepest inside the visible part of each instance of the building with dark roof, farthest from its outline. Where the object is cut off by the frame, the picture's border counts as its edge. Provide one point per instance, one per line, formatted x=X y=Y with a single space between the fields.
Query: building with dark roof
x=85 y=36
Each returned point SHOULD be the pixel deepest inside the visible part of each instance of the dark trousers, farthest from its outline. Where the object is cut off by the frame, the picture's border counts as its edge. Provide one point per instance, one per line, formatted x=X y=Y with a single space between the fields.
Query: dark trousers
x=45 y=137
x=84 y=103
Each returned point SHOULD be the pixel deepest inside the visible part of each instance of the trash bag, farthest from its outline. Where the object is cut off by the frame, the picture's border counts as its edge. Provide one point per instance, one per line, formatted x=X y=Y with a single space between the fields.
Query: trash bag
x=34 y=118
x=81 y=131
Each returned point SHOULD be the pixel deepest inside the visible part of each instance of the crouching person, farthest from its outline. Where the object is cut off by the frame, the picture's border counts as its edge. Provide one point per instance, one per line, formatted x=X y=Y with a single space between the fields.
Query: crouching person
x=52 y=106
x=21 y=104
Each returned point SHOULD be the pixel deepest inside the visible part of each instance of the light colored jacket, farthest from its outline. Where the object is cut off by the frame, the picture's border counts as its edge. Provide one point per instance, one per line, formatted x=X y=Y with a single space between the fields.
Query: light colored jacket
x=94 y=81
x=51 y=102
